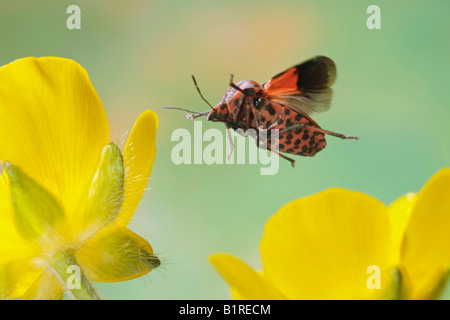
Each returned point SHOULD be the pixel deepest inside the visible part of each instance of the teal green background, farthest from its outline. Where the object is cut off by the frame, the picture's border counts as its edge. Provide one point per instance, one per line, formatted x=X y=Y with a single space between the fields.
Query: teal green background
x=391 y=91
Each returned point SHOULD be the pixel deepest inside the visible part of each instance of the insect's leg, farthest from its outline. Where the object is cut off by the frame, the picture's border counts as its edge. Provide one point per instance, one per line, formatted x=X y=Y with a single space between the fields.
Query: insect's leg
x=245 y=134
x=247 y=115
x=294 y=127
x=230 y=141
x=231 y=84
x=258 y=125
x=292 y=161
x=315 y=129
x=255 y=113
x=335 y=134
x=240 y=109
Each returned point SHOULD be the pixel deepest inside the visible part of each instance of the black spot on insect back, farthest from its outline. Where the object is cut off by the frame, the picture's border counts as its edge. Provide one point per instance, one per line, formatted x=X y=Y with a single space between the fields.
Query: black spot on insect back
x=305 y=135
x=270 y=109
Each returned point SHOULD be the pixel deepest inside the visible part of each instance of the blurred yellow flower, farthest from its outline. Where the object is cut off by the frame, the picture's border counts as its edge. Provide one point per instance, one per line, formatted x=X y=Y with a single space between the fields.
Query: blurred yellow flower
x=333 y=244
x=66 y=192
x=425 y=251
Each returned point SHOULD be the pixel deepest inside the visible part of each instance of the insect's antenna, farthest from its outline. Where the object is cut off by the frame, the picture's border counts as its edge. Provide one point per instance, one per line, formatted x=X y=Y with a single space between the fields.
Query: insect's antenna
x=198 y=89
x=181 y=109
x=195 y=114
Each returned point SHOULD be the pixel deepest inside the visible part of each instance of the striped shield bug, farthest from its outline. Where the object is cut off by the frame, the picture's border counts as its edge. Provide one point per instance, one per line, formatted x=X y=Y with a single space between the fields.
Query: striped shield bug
x=284 y=103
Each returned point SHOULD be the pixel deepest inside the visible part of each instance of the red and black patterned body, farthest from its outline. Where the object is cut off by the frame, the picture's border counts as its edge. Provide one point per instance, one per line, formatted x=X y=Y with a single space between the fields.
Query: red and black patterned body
x=250 y=109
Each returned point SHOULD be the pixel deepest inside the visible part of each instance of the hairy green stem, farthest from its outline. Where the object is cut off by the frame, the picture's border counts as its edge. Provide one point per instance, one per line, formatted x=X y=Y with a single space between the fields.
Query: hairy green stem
x=77 y=285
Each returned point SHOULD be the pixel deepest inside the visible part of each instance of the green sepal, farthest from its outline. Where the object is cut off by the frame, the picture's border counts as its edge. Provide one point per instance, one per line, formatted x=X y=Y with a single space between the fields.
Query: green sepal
x=117 y=255
x=443 y=288
x=107 y=188
x=395 y=290
x=36 y=210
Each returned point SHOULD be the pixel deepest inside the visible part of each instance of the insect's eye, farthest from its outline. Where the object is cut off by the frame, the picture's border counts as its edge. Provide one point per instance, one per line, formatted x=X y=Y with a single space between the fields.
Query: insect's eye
x=250 y=92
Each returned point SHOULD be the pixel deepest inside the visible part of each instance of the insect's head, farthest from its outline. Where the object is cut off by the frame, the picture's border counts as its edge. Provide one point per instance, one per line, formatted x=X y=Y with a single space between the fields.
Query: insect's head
x=219 y=113
x=236 y=92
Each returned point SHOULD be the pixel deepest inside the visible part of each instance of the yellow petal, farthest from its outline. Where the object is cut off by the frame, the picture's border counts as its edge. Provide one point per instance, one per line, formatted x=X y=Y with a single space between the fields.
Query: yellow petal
x=138 y=158
x=23 y=273
x=426 y=245
x=48 y=286
x=237 y=295
x=324 y=246
x=245 y=282
x=52 y=125
x=399 y=212
x=116 y=254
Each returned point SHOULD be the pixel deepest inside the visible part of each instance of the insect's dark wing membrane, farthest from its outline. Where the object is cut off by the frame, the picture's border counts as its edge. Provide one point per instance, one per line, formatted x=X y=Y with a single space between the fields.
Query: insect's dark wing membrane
x=304 y=87
x=317 y=72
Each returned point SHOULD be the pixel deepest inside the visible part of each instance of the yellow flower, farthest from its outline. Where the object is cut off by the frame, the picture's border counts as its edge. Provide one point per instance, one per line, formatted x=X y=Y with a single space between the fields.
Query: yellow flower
x=333 y=245
x=425 y=251
x=66 y=192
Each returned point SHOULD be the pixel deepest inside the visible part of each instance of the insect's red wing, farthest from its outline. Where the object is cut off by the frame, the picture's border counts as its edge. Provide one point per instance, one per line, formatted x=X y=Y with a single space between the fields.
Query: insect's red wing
x=304 y=88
